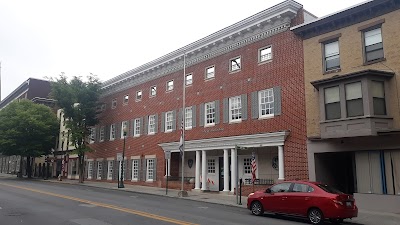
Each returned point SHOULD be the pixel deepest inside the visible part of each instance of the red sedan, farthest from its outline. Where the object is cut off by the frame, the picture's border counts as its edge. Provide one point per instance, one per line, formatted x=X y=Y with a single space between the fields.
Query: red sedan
x=313 y=200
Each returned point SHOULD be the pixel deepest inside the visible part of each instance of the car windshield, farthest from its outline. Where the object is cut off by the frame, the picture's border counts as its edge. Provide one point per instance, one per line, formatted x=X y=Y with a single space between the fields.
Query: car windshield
x=329 y=189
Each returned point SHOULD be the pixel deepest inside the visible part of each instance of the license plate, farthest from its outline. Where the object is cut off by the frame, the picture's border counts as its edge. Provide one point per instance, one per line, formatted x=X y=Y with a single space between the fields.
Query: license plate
x=348 y=204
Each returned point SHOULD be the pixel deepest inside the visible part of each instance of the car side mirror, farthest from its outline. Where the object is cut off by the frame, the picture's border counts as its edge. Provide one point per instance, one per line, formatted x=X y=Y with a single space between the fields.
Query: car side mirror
x=268 y=190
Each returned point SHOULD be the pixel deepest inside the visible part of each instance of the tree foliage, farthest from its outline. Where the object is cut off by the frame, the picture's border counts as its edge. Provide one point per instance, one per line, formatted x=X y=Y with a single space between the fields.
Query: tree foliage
x=79 y=100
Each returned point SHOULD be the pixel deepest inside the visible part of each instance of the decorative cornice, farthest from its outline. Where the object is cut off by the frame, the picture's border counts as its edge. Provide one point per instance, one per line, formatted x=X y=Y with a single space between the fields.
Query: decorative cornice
x=247 y=141
x=257 y=27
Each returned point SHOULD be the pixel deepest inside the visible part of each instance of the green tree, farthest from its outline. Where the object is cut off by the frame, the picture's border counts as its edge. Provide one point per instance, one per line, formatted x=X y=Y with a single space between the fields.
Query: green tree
x=79 y=100
x=27 y=129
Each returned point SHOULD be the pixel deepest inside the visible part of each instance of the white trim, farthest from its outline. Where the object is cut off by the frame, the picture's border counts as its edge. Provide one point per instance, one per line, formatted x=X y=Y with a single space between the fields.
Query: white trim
x=110 y=158
x=150 y=156
x=135 y=157
x=89 y=160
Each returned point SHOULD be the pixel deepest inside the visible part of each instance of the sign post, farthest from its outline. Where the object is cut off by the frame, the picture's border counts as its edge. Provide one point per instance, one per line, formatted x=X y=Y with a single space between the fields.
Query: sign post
x=167 y=157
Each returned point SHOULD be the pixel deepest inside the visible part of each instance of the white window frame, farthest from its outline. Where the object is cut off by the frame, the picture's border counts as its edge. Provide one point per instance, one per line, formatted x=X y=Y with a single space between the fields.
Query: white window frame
x=169 y=120
x=265 y=57
x=125 y=100
x=114 y=103
x=101 y=138
x=233 y=67
x=247 y=166
x=241 y=165
x=169 y=85
x=188 y=118
x=211 y=168
x=209 y=75
x=333 y=55
x=209 y=109
x=135 y=169
x=366 y=36
x=136 y=125
x=99 y=170
x=90 y=170
x=269 y=94
x=150 y=170
x=110 y=169
x=153 y=91
x=235 y=108
x=112 y=132
x=152 y=124
x=187 y=81
x=92 y=135
x=125 y=125
x=139 y=95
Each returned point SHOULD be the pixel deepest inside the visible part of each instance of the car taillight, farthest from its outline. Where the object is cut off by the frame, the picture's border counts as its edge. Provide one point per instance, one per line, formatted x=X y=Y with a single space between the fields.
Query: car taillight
x=337 y=202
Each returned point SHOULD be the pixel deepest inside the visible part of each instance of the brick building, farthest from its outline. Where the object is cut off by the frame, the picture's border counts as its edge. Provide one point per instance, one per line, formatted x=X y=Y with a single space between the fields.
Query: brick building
x=351 y=65
x=244 y=86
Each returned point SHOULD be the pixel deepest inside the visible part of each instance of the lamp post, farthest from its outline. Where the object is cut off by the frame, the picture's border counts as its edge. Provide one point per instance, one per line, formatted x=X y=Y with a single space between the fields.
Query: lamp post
x=121 y=183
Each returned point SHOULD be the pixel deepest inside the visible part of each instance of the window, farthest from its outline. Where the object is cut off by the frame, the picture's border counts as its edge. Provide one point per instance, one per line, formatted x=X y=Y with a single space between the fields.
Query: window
x=210 y=72
x=138 y=95
x=126 y=99
x=189 y=79
x=210 y=113
x=103 y=107
x=74 y=166
x=211 y=165
x=152 y=124
x=112 y=132
x=247 y=166
x=235 y=109
x=135 y=169
x=378 y=96
x=168 y=121
x=283 y=187
x=150 y=170
x=373 y=45
x=354 y=100
x=92 y=135
x=136 y=131
x=188 y=117
x=90 y=170
x=170 y=85
x=110 y=170
x=265 y=54
x=99 y=170
x=114 y=103
x=153 y=91
x=235 y=64
x=266 y=103
x=332 y=103
x=302 y=188
x=331 y=57
x=102 y=133
x=124 y=128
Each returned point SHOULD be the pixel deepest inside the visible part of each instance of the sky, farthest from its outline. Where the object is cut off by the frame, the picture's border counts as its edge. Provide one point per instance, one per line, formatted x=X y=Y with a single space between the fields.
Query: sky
x=43 y=38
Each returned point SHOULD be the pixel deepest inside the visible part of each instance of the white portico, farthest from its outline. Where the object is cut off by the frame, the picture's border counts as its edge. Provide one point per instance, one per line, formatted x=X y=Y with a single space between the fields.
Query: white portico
x=210 y=153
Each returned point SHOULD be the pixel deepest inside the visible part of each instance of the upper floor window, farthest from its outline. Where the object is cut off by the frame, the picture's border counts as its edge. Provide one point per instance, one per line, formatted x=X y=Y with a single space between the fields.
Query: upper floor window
x=126 y=99
x=170 y=85
x=168 y=121
x=188 y=118
x=354 y=99
x=378 y=96
x=266 y=103
x=235 y=109
x=235 y=64
x=209 y=113
x=112 y=132
x=124 y=129
x=92 y=135
x=136 y=131
x=114 y=103
x=102 y=133
x=152 y=124
x=153 y=91
x=138 y=95
x=332 y=103
x=210 y=72
x=331 y=56
x=265 y=54
x=373 y=44
x=189 y=79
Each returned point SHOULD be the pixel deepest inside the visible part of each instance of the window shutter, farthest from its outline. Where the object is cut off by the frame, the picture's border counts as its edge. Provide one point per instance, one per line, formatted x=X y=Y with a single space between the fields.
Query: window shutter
x=194 y=116
x=106 y=132
x=156 y=124
x=141 y=126
x=254 y=105
x=94 y=170
x=180 y=115
x=115 y=170
x=139 y=170
x=129 y=170
x=155 y=170
x=132 y=132
x=173 y=119
x=201 y=115
x=118 y=130
x=244 y=107
x=226 y=110
x=277 y=101
x=162 y=122
x=217 y=112
x=143 y=175
x=146 y=120
x=126 y=169
x=105 y=169
x=85 y=171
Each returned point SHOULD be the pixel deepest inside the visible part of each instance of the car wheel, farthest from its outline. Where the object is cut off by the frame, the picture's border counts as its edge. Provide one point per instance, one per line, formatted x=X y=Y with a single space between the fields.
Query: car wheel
x=336 y=221
x=315 y=216
x=257 y=208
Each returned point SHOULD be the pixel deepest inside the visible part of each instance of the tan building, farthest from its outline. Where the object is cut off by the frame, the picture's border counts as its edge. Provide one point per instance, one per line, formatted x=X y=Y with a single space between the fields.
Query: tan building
x=351 y=66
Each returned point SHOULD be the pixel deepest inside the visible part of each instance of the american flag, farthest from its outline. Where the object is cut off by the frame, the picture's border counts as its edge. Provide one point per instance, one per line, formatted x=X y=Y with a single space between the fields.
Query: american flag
x=253 y=167
x=181 y=140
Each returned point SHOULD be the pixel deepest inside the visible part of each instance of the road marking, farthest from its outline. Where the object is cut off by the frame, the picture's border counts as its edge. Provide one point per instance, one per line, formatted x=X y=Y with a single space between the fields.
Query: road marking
x=122 y=209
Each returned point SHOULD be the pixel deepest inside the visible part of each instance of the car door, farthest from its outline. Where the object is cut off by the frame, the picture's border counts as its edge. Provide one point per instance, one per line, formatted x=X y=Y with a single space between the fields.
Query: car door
x=276 y=200
x=299 y=199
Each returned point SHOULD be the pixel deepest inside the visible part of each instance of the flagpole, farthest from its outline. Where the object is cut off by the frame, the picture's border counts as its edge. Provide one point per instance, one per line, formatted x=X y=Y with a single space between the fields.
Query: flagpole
x=183 y=193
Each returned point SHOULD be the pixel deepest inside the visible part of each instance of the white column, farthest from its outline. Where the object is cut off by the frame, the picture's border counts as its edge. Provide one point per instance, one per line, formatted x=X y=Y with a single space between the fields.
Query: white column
x=226 y=170
x=204 y=171
x=281 y=161
x=233 y=169
x=197 y=175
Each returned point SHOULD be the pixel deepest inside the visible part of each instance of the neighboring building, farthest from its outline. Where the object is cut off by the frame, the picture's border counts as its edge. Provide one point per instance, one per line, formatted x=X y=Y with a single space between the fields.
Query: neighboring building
x=351 y=67
x=244 y=86
x=37 y=91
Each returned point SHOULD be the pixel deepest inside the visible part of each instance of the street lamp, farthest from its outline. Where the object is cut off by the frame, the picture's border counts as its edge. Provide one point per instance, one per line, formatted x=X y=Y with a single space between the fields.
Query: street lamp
x=121 y=183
